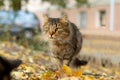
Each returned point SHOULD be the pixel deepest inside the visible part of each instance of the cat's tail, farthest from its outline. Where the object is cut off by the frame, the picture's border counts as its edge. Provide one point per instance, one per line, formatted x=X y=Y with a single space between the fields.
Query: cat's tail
x=77 y=63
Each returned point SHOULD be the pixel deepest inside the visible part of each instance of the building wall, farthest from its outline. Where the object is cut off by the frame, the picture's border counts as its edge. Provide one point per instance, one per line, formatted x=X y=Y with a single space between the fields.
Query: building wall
x=92 y=16
x=73 y=14
x=117 y=17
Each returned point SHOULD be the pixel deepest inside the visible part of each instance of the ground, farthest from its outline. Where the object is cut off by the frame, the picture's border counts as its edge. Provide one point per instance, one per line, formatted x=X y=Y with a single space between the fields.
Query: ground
x=36 y=60
x=35 y=65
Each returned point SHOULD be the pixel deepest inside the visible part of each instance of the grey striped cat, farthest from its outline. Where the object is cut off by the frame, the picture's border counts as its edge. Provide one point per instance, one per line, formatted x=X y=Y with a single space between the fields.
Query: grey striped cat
x=65 y=40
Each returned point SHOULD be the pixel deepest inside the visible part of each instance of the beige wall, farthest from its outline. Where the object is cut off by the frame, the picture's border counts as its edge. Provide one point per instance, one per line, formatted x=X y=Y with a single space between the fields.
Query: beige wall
x=117 y=17
x=91 y=16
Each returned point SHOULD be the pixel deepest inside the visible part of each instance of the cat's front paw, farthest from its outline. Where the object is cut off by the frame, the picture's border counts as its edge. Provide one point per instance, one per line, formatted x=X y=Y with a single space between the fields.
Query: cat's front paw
x=53 y=67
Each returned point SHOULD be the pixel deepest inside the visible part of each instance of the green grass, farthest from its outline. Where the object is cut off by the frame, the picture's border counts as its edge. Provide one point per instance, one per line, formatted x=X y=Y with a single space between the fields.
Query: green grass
x=36 y=43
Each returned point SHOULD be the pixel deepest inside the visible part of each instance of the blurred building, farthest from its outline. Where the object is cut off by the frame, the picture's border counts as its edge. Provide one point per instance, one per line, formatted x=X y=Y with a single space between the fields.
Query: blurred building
x=93 y=18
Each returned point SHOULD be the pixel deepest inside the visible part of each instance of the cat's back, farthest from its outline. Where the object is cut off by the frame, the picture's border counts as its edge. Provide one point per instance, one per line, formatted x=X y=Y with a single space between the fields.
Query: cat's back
x=75 y=29
x=76 y=37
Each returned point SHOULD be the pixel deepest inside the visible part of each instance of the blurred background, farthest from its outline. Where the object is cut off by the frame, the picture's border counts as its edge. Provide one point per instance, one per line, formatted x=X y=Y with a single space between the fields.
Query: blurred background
x=98 y=20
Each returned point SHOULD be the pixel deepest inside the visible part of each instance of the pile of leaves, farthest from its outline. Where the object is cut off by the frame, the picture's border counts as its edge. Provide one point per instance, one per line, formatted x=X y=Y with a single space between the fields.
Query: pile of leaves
x=35 y=66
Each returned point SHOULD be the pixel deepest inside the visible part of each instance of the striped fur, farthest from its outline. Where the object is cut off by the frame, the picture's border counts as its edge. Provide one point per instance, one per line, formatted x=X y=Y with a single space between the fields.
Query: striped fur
x=65 y=39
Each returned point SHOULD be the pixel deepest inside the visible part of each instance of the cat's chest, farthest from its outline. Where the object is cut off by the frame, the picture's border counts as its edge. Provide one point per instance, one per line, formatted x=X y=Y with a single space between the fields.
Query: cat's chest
x=62 y=50
x=60 y=47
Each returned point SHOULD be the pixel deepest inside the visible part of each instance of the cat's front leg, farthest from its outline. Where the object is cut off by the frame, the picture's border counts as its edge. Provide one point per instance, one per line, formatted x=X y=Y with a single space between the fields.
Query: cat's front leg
x=59 y=62
x=55 y=63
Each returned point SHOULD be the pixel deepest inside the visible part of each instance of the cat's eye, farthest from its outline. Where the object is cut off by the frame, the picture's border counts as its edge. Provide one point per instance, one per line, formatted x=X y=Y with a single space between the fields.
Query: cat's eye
x=58 y=24
x=56 y=29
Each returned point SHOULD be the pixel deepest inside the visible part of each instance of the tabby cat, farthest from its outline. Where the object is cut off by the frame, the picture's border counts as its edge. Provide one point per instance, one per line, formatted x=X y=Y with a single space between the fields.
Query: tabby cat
x=6 y=66
x=65 y=40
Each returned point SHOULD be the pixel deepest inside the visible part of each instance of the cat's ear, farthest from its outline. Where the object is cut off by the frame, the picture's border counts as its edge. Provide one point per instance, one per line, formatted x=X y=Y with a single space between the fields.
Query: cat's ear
x=64 y=18
x=46 y=18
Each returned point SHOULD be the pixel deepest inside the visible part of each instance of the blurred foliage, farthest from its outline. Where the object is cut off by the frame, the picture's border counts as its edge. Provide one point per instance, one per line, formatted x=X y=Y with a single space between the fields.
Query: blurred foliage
x=81 y=2
x=35 y=43
x=1 y=3
x=63 y=3
x=3 y=38
x=16 y=4
x=38 y=45
x=60 y=3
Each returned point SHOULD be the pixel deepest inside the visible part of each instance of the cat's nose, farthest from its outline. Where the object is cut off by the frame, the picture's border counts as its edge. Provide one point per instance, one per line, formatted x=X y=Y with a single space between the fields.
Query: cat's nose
x=51 y=36
x=51 y=33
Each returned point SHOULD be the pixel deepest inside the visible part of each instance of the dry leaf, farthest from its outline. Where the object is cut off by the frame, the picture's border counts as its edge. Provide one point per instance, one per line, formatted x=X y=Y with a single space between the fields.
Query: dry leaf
x=77 y=73
x=67 y=70
x=88 y=78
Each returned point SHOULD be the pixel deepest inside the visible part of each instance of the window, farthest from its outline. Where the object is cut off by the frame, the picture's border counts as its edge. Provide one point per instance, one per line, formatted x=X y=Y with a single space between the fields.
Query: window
x=102 y=18
x=83 y=19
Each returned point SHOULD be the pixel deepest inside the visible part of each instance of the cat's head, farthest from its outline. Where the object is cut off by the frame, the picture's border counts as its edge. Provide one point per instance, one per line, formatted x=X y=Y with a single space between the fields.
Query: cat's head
x=6 y=66
x=56 y=28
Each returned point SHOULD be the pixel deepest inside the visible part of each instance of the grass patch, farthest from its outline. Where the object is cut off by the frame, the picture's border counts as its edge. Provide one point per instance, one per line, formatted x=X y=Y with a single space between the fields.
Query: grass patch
x=35 y=43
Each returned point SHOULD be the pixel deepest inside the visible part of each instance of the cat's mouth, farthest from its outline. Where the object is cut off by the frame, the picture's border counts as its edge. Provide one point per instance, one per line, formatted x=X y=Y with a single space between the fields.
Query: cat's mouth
x=51 y=37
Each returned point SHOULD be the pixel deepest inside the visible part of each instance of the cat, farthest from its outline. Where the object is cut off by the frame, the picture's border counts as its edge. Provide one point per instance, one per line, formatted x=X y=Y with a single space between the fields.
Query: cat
x=6 y=66
x=65 y=40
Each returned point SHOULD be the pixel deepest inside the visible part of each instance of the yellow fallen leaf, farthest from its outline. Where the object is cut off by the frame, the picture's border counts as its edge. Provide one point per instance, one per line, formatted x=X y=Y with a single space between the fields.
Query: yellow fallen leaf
x=94 y=70
x=67 y=70
x=77 y=73
x=101 y=78
x=48 y=75
x=88 y=78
